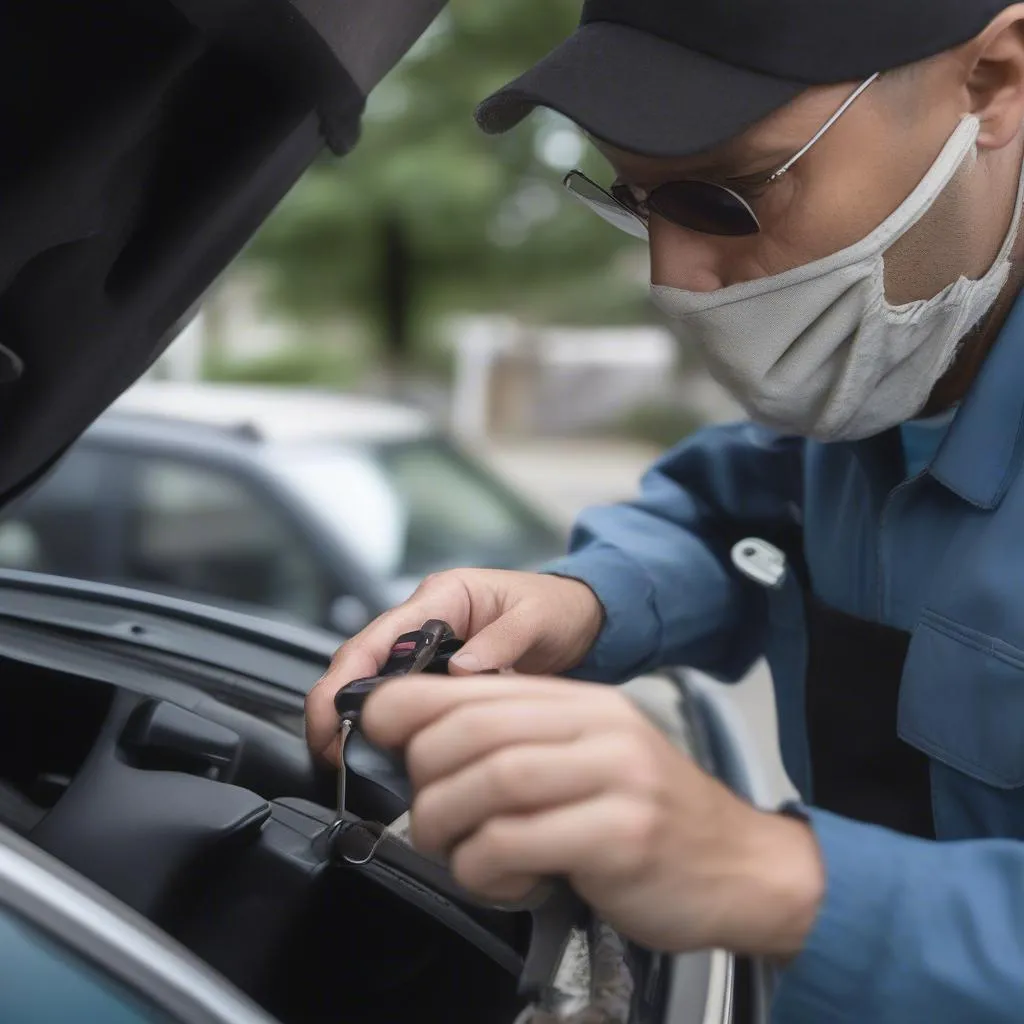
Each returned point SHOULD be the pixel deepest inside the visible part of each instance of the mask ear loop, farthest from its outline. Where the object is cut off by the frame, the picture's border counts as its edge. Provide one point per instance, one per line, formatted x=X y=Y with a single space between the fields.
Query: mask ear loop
x=871 y=246
x=999 y=273
x=999 y=270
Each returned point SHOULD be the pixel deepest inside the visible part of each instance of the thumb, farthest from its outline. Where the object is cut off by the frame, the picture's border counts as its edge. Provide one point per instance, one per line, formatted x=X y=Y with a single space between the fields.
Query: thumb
x=498 y=646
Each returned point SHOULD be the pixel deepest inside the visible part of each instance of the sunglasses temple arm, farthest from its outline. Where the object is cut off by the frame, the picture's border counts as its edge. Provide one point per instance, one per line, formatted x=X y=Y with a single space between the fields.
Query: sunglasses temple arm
x=850 y=100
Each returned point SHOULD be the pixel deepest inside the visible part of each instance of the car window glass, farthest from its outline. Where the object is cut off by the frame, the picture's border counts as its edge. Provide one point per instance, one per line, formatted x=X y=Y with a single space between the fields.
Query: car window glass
x=418 y=507
x=459 y=516
x=53 y=527
x=348 y=490
x=41 y=980
x=204 y=532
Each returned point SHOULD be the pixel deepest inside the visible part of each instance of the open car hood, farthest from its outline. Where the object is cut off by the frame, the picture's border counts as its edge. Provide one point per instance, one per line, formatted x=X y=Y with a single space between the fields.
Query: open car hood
x=144 y=142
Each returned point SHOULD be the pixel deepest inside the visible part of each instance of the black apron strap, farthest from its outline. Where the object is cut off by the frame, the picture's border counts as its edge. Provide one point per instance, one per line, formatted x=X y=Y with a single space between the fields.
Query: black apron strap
x=860 y=767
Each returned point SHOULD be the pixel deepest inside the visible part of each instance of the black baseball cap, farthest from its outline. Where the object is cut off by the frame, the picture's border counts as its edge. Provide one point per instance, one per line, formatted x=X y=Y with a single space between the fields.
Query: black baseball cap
x=677 y=77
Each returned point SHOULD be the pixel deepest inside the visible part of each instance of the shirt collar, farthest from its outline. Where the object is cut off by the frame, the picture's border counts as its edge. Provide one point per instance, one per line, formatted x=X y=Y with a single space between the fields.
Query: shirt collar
x=979 y=455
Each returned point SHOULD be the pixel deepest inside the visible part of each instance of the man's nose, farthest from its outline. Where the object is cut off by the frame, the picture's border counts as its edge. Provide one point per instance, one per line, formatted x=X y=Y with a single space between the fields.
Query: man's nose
x=690 y=260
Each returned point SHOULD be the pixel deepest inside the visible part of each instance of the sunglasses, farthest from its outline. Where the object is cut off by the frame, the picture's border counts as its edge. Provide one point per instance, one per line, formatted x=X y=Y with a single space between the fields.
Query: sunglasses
x=703 y=206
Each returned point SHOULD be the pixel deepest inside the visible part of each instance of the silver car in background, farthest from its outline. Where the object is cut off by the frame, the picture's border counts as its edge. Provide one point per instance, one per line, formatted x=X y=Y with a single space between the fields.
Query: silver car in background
x=310 y=506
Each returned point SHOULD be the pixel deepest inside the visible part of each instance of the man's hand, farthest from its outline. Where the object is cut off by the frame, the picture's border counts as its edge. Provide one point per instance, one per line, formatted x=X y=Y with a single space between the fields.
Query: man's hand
x=527 y=621
x=520 y=778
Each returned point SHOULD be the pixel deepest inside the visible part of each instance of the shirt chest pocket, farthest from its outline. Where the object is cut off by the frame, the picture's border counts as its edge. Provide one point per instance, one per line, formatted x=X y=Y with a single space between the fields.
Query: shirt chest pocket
x=962 y=703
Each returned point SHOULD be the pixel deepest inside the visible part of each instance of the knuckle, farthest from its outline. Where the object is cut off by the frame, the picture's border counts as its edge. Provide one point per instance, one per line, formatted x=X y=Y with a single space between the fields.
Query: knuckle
x=474 y=720
x=625 y=749
x=420 y=761
x=319 y=696
x=507 y=776
x=437 y=581
x=444 y=594
x=487 y=861
x=636 y=759
x=311 y=704
x=337 y=659
x=343 y=655
x=637 y=829
x=492 y=840
x=430 y=582
x=643 y=765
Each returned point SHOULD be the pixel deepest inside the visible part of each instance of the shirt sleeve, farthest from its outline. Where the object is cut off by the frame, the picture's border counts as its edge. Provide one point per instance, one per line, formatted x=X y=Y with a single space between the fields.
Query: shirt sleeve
x=910 y=930
x=661 y=565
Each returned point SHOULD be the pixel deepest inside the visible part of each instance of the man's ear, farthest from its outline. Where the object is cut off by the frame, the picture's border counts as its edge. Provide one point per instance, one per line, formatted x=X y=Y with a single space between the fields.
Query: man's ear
x=995 y=78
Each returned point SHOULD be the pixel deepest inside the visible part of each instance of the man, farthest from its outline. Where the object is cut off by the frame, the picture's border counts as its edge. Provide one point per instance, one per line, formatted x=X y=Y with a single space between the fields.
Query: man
x=832 y=193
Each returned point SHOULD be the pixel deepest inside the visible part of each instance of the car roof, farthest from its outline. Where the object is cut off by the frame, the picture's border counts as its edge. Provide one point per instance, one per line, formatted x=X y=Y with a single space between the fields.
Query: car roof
x=269 y=414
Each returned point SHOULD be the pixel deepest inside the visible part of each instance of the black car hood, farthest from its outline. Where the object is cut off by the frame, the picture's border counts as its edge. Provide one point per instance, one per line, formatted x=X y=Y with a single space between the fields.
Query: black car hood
x=143 y=142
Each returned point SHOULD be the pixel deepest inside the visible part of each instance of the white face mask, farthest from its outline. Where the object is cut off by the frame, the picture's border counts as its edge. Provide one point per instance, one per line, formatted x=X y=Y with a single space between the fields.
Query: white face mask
x=818 y=350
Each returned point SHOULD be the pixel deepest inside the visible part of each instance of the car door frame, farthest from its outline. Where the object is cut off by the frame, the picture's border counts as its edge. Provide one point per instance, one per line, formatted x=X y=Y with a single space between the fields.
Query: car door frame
x=109 y=936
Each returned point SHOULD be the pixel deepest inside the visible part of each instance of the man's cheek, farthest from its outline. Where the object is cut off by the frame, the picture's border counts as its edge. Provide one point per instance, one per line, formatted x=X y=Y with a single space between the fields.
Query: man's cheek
x=683 y=259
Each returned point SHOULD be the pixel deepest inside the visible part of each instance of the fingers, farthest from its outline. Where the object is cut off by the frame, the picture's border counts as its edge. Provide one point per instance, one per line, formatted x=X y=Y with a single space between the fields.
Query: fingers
x=322 y=723
x=442 y=597
x=401 y=709
x=541 y=625
x=607 y=836
x=511 y=620
x=479 y=728
x=513 y=780
x=500 y=645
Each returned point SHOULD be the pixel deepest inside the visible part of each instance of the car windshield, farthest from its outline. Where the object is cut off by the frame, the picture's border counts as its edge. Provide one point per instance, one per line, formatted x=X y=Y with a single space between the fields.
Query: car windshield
x=417 y=507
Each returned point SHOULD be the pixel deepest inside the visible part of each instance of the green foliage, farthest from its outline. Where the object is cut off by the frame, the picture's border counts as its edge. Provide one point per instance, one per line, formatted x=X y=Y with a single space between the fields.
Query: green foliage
x=485 y=219
x=323 y=366
x=659 y=423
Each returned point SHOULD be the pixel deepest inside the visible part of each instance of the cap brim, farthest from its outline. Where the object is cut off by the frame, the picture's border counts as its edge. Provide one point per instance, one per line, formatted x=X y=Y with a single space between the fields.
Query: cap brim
x=639 y=93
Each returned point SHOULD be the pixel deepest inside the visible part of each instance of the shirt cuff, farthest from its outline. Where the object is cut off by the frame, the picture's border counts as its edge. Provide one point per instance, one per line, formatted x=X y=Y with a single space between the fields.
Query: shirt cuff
x=830 y=981
x=631 y=637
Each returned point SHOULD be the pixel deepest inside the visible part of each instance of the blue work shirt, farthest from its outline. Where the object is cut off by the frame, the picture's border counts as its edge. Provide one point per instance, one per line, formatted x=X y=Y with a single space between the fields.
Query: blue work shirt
x=910 y=930
x=922 y=439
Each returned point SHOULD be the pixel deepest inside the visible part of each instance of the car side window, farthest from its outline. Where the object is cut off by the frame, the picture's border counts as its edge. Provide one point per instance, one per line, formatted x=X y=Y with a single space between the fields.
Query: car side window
x=42 y=980
x=204 y=532
x=53 y=528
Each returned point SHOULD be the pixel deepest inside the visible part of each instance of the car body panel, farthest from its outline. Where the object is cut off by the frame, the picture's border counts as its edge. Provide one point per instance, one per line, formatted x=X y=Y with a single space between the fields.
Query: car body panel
x=119 y=943
x=264 y=649
x=161 y=136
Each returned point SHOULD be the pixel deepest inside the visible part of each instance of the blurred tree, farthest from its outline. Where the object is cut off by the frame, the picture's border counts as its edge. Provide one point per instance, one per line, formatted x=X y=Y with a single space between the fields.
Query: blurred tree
x=428 y=216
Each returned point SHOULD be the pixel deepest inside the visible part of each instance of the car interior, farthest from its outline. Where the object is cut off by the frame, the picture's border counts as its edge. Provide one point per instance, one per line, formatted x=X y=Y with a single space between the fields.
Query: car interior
x=187 y=791
x=157 y=755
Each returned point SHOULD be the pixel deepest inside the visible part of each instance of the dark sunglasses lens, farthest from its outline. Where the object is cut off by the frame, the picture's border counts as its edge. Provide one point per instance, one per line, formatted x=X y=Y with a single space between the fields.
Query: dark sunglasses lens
x=705 y=207
x=604 y=205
